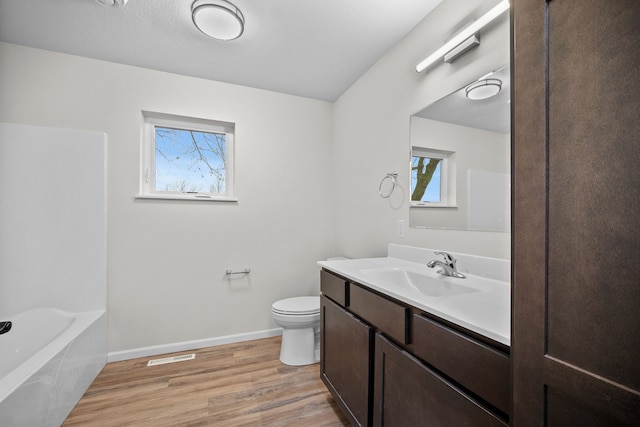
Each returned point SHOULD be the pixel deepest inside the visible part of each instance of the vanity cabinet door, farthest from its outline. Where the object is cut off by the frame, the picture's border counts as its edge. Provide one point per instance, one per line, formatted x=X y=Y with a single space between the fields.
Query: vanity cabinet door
x=408 y=393
x=345 y=366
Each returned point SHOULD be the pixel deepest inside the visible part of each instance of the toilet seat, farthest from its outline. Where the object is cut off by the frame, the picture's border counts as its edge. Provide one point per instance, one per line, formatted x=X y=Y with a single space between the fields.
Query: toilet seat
x=297 y=306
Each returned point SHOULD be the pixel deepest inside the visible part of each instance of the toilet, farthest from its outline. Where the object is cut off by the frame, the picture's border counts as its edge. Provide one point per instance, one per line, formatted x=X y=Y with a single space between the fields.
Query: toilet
x=299 y=317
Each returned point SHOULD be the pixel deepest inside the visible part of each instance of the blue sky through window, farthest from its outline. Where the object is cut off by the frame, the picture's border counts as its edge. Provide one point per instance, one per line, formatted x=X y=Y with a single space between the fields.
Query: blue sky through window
x=189 y=161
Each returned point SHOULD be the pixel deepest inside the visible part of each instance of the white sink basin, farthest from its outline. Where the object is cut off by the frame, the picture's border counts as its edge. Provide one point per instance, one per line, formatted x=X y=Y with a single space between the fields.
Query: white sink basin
x=428 y=285
x=480 y=303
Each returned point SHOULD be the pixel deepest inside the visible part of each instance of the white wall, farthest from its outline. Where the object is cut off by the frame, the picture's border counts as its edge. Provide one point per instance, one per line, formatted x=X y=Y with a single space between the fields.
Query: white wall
x=166 y=259
x=372 y=138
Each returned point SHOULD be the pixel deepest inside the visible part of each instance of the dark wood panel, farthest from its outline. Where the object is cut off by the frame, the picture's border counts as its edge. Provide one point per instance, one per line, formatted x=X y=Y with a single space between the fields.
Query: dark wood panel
x=476 y=366
x=528 y=209
x=333 y=287
x=386 y=315
x=407 y=393
x=594 y=400
x=346 y=348
x=594 y=187
x=576 y=201
x=562 y=412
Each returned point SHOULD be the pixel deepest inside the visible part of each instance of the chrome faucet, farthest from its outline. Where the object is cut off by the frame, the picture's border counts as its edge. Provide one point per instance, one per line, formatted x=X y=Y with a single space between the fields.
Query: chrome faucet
x=448 y=267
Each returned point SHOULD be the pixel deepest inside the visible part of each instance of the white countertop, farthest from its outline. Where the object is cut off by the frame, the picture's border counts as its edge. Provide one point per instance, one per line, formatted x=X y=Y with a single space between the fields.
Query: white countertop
x=486 y=310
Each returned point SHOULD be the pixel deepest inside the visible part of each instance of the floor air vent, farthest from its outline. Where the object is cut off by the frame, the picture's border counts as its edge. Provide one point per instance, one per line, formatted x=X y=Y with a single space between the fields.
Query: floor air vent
x=173 y=359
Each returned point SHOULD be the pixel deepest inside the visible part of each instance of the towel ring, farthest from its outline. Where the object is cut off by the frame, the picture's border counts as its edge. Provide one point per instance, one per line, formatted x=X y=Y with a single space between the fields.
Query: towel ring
x=393 y=177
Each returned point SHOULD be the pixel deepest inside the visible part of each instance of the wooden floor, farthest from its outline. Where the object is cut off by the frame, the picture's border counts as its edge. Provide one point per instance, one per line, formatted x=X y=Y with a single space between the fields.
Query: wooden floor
x=242 y=384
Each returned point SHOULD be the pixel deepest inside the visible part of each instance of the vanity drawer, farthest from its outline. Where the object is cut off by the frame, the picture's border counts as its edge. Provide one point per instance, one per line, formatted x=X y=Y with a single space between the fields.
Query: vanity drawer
x=474 y=365
x=388 y=316
x=333 y=287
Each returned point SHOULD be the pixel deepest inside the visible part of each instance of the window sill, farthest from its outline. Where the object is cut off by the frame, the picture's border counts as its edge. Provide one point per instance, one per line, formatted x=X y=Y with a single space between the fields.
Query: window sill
x=188 y=197
x=429 y=205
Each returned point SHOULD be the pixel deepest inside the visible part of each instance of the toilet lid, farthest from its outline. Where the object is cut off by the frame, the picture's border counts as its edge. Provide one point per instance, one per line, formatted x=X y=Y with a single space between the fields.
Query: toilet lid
x=297 y=305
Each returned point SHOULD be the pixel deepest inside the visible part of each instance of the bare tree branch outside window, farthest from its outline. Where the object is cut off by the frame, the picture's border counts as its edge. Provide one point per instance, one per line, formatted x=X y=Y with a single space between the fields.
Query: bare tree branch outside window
x=190 y=161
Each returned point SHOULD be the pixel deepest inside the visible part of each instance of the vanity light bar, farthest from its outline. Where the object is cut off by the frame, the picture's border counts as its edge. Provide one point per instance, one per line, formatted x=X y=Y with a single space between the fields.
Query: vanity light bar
x=464 y=34
x=461 y=49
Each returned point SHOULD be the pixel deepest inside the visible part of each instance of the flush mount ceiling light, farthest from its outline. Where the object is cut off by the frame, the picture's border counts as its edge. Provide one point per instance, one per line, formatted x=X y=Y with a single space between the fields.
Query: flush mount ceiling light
x=464 y=35
x=483 y=89
x=116 y=3
x=219 y=19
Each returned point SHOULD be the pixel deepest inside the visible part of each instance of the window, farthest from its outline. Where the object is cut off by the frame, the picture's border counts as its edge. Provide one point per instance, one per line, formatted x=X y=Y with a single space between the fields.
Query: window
x=187 y=158
x=429 y=177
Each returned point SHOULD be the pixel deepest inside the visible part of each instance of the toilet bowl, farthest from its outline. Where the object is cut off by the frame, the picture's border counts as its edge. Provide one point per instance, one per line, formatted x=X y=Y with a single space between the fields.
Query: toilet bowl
x=299 y=318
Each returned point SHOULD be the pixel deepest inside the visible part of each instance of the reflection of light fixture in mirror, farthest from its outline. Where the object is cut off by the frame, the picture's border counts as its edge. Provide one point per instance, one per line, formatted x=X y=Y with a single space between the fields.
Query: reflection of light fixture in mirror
x=483 y=89
x=464 y=34
x=219 y=19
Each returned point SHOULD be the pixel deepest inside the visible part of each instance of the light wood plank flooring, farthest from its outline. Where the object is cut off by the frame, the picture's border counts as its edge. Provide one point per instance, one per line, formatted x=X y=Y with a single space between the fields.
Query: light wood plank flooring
x=242 y=384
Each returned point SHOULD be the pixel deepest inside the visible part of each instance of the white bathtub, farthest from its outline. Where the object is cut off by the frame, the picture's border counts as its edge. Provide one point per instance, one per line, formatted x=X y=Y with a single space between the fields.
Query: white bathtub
x=47 y=361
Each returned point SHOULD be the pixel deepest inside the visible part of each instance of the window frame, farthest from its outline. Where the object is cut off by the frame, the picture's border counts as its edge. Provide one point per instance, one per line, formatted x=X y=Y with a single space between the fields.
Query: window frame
x=151 y=120
x=446 y=200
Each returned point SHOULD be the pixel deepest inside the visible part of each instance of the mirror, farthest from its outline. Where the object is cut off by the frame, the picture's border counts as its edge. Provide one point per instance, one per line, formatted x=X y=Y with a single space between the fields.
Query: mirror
x=460 y=147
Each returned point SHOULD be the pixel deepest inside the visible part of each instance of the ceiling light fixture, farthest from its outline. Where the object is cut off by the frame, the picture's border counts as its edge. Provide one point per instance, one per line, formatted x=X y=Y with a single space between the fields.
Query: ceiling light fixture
x=483 y=89
x=464 y=34
x=219 y=19
x=116 y=3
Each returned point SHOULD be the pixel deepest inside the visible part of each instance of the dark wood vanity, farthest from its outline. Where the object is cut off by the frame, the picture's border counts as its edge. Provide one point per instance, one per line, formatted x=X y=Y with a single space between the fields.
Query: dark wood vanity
x=389 y=363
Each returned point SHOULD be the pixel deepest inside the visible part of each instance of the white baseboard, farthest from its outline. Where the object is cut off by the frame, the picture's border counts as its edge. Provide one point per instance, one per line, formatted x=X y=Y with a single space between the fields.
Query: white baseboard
x=155 y=350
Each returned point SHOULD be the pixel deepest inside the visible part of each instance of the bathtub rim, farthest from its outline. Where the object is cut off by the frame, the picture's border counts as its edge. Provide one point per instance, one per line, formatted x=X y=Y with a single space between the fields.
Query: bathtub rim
x=81 y=321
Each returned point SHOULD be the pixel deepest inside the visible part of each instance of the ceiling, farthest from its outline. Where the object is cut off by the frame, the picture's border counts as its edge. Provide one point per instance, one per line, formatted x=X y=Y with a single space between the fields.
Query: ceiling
x=310 y=48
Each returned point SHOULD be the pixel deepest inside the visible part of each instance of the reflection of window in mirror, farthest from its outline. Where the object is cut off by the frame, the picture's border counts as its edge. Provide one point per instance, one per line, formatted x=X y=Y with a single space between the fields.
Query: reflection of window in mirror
x=429 y=177
x=425 y=179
